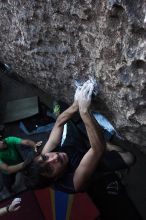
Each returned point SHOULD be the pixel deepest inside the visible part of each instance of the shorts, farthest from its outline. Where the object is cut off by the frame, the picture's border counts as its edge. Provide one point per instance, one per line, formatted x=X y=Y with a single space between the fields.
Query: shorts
x=112 y=200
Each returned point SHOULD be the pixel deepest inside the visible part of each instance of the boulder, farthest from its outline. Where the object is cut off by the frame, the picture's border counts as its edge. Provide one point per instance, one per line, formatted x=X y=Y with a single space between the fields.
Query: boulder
x=53 y=43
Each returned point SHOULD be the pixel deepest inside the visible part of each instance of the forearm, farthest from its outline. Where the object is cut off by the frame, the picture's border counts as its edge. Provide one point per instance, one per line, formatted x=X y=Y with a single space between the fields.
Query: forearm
x=91 y=159
x=15 y=168
x=57 y=131
x=94 y=132
x=67 y=114
x=3 y=211
x=29 y=143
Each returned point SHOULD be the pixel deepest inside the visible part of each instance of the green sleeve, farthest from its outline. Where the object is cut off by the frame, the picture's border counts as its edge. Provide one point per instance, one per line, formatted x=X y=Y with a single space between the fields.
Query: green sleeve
x=13 y=140
x=1 y=161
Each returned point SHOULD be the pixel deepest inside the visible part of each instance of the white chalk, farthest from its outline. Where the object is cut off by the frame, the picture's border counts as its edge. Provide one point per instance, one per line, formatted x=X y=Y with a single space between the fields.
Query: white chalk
x=91 y=81
x=17 y=200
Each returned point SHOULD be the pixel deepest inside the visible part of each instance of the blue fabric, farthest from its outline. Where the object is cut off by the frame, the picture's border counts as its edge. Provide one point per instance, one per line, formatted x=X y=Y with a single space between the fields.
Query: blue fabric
x=109 y=130
x=41 y=129
x=103 y=121
x=61 y=203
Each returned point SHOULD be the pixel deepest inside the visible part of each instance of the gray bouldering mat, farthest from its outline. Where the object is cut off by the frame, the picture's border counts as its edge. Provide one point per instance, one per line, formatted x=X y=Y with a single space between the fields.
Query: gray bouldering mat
x=20 y=109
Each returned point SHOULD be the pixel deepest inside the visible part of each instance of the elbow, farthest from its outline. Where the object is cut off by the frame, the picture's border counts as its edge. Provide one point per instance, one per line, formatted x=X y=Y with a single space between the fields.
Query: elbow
x=80 y=189
x=99 y=146
x=8 y=171
x=102 y=146
x=59 y=121
x=99 y=151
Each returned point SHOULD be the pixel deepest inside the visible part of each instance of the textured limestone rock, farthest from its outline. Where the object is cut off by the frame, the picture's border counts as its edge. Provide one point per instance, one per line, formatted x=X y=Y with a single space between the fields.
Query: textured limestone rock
x=51 y=43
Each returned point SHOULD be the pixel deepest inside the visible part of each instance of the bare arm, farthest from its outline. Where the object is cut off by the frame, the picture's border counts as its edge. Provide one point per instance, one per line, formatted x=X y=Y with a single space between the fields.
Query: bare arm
x=28 y=142
x=94 y=132
x=31 y=143
x=11 y=169
x=90 y=160
x=56 y=133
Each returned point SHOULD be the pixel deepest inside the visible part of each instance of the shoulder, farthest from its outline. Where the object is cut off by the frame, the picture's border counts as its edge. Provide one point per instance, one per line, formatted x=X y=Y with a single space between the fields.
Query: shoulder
x=13 y=139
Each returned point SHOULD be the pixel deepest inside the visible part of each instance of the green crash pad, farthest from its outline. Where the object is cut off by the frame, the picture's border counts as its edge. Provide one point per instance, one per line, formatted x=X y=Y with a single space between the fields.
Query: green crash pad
x=20 y=109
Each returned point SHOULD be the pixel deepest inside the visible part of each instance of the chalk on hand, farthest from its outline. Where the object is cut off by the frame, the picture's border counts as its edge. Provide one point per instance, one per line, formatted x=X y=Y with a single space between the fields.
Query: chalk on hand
x=17 y=200
x=90 y=82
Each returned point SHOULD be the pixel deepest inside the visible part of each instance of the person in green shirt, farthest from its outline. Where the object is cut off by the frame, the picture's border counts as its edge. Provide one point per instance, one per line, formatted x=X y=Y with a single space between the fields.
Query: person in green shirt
x=10 y=159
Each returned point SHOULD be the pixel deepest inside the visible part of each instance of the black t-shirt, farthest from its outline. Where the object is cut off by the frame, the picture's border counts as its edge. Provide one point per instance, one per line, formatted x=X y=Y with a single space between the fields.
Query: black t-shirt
x=75 y=146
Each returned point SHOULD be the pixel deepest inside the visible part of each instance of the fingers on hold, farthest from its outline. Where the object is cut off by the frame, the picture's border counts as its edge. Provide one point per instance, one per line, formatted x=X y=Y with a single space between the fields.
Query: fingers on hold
x=85 y=91
x=90 y=92
x=77 y=93
x=84 y=86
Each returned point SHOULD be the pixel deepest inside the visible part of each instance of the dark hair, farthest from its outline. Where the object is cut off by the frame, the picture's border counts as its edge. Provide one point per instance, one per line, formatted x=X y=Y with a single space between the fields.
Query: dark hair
x=33 y=178
x=2 y=139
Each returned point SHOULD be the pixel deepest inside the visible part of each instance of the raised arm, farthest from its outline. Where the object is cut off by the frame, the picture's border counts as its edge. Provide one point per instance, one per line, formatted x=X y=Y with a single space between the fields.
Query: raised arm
x=57 y=131
x=90 y=160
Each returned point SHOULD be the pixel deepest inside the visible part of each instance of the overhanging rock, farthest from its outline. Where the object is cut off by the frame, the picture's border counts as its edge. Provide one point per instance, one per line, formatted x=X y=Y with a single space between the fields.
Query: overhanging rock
x=52 y=43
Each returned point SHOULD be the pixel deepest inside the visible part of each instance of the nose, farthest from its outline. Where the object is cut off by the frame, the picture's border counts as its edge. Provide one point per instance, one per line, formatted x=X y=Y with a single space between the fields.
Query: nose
x=53 y=158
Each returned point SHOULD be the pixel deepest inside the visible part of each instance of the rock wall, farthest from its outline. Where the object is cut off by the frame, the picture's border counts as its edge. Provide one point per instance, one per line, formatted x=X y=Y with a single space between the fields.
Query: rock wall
x=51 y=43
